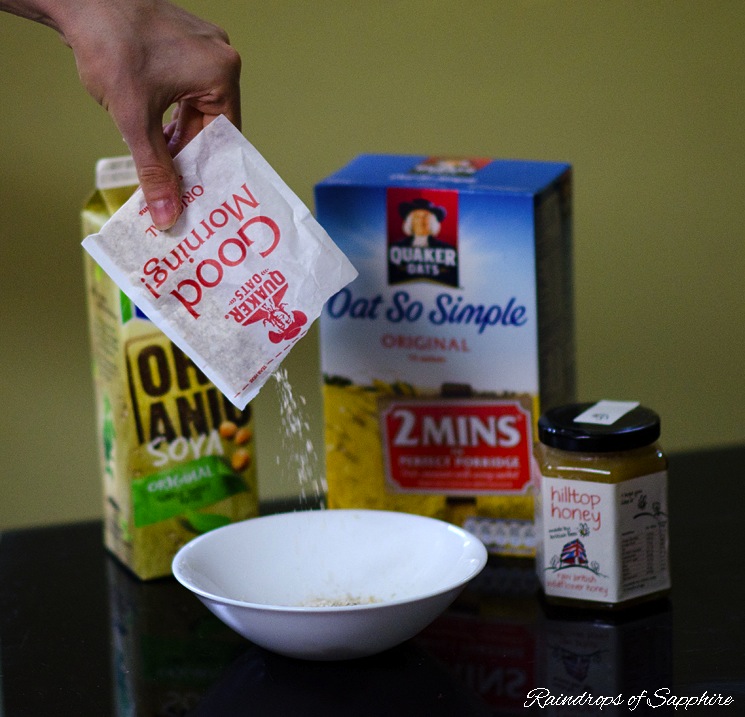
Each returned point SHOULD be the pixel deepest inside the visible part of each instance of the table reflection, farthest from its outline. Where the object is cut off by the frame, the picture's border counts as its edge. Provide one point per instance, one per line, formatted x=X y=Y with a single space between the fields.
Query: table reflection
x=502 y=641
x=488 y=638
x=404 y=681
x=166 y=651
x=482 y=657
x=607 y=656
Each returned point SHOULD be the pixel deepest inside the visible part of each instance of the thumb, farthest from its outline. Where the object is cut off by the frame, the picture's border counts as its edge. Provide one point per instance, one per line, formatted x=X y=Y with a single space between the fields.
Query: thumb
x=158 y=179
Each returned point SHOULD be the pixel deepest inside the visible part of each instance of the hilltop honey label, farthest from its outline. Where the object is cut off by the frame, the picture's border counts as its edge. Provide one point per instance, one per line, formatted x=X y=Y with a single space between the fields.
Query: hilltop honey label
x=459 y=326
x=177 y=456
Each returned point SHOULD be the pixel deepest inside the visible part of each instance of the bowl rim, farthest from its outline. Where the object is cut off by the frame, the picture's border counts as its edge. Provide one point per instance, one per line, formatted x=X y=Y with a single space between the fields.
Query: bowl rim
x=481 y=557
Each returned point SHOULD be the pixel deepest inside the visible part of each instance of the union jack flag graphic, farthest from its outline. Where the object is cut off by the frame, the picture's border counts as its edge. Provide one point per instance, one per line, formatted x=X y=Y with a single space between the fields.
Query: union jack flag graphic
x=574 y=553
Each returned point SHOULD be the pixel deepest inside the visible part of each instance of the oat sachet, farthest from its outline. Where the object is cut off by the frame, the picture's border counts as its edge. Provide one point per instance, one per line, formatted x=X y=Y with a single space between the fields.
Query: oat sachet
x=243 y=273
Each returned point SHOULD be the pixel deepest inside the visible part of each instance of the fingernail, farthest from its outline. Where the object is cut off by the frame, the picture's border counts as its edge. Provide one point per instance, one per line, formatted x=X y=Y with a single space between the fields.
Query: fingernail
x=164 y=213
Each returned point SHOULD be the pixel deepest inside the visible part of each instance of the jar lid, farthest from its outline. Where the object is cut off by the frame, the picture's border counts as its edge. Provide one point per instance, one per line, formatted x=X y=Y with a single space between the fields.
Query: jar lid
x=604 y=427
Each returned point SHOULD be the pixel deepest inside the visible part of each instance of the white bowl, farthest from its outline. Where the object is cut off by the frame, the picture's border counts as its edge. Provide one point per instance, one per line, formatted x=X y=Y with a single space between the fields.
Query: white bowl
x=330 y=584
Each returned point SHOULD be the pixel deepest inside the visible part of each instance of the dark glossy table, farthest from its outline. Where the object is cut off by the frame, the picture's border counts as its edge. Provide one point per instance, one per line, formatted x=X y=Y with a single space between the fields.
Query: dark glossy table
x=80 y=636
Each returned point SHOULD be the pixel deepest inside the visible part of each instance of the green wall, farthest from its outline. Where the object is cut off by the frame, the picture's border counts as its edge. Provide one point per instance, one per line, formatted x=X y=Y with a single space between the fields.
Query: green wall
x=644 y=98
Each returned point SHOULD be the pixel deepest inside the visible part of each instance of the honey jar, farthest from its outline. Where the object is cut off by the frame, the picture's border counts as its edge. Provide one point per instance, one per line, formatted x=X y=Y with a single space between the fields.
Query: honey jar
x=601 y=505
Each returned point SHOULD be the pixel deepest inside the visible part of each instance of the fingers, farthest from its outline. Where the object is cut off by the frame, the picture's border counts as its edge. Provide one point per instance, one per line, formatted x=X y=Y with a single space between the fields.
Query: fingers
x=153 y=152
x=221 y=96
x=158 y=178
x=187 y=123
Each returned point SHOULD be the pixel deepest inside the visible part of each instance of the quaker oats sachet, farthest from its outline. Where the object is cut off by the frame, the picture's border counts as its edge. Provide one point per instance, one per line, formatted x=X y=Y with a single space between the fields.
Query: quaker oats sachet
x=243 y=273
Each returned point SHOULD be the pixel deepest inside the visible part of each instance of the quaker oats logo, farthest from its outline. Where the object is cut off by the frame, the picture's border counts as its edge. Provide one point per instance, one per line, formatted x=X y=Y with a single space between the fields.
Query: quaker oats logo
x=262 y=299
x=422 y=236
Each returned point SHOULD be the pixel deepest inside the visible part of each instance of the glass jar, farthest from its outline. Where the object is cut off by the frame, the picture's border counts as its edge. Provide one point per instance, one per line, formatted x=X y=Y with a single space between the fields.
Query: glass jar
x=601 y=505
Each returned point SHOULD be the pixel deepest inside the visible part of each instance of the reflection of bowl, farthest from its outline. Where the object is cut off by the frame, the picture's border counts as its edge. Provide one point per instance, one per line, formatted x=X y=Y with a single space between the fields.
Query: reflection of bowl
x=330 y=584
x=406 y=681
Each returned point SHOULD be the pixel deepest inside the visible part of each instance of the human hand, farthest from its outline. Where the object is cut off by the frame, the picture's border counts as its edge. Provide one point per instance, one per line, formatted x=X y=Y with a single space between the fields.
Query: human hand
x=137 y=58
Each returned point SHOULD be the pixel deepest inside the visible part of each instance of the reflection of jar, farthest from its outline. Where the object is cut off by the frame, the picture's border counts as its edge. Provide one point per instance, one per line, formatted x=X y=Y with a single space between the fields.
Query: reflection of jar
x=620 y=652
x=601 y=505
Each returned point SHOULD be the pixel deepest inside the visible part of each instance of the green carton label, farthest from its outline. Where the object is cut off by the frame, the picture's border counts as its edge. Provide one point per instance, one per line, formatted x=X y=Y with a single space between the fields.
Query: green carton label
x=183 y=488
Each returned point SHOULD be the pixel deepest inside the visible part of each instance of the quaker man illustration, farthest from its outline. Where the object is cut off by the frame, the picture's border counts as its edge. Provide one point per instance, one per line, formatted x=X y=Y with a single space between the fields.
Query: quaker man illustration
x=419 y=254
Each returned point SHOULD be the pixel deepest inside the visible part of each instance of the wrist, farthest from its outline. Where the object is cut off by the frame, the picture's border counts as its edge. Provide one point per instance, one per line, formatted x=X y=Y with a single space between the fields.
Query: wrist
x=71 y=18
x=37 y=10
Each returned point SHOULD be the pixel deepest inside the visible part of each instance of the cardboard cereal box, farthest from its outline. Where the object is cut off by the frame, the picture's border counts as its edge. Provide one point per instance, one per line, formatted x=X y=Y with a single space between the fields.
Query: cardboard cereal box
x=177 y=457
x=458 y=330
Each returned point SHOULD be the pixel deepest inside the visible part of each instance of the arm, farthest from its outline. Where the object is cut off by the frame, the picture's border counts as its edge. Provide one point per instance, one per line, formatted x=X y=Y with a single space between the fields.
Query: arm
x=137 y=58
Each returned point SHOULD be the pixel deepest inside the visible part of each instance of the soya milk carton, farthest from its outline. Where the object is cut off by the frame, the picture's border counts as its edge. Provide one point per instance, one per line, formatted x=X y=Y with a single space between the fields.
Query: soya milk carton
x=177 y=456
x=457 y=332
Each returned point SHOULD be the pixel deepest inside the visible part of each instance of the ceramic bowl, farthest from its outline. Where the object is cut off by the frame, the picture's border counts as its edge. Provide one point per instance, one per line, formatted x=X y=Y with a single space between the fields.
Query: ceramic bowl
x=330 y=584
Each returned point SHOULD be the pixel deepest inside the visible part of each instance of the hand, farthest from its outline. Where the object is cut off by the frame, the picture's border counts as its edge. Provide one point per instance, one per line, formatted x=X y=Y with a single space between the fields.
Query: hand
x=137 y=58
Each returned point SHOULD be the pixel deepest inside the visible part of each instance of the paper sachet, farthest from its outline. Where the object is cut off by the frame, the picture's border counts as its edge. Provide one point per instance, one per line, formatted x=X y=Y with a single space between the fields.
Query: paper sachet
x=243 y=273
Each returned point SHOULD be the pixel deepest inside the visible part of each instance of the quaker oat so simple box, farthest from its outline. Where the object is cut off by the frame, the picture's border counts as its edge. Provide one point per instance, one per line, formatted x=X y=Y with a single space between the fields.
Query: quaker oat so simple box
x=177 y=457
x=457 y=332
